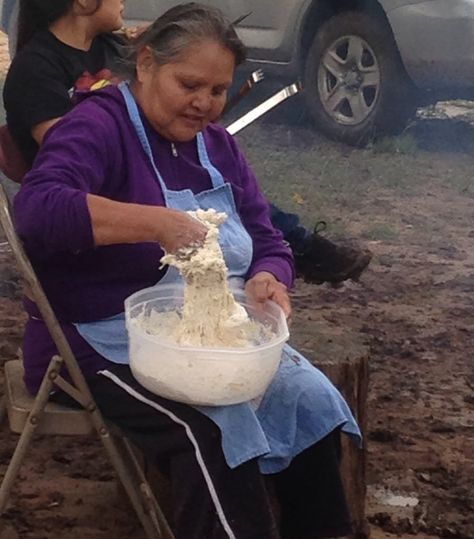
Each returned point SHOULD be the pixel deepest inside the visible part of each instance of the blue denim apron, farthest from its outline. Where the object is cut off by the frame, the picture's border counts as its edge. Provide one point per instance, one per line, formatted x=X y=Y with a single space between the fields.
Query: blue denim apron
x=301 y=406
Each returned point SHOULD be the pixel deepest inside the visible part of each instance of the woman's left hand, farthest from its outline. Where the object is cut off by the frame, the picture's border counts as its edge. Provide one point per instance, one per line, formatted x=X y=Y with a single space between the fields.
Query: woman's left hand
x=263 y=285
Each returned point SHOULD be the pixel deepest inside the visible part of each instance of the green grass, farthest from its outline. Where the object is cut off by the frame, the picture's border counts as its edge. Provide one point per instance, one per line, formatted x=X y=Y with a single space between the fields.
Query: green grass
x=381 y=232
x=326 y=175
x=405 y=144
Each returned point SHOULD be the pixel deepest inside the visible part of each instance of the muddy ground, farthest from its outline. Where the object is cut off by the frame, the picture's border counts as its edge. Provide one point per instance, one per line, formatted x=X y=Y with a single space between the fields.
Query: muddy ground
x=411 y=200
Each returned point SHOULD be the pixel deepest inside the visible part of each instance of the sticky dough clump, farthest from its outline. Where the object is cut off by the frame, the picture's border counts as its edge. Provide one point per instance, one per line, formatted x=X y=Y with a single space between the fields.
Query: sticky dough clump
x=210 y=316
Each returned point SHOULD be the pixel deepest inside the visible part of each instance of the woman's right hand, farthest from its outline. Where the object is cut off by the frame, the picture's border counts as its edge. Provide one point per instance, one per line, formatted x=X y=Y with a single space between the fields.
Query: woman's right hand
x=122 y=222
x=178 y=229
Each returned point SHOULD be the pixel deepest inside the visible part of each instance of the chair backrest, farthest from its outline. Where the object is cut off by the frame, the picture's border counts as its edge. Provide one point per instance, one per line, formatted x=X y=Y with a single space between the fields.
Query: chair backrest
x=36 y=292
x=12 y=162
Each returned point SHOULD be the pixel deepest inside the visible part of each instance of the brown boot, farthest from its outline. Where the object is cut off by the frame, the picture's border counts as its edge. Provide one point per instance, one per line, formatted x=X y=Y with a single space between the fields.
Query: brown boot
x=324 y=261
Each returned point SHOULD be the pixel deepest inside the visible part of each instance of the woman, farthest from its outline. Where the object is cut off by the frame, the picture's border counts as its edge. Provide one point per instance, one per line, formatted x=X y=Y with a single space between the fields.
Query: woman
x=104 y=199
x=64 y=45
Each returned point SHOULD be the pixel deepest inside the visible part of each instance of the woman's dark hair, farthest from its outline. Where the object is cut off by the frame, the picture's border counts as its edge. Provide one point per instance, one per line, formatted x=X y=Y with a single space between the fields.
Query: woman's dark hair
x=178 y=28
x=35 y=15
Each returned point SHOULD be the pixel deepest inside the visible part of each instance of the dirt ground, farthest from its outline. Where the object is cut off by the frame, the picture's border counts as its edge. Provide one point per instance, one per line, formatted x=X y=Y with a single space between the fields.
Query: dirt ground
x=411 y=200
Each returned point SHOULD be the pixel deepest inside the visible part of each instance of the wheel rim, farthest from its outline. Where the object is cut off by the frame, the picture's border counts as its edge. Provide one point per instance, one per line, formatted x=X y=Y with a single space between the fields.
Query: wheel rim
x=349 y=80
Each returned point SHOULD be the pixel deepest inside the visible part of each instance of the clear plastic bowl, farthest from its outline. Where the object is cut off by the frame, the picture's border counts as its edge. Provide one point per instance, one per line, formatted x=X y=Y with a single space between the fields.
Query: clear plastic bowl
x=204 y=376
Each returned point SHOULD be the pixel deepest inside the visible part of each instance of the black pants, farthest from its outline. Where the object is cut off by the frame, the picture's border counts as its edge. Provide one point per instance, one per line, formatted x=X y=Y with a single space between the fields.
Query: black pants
x=211 y=500
x=290 y=225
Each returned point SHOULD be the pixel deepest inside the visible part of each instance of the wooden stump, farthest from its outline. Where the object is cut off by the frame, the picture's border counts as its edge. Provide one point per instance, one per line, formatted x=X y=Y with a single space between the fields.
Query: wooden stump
x=344 y=360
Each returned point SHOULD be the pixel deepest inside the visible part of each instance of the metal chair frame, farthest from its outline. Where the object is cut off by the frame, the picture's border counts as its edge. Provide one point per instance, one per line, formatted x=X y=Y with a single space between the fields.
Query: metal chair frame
x=120 y=452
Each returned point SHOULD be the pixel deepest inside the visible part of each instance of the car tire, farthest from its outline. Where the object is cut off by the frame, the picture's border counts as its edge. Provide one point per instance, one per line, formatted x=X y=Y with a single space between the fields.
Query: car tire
x=355 y=84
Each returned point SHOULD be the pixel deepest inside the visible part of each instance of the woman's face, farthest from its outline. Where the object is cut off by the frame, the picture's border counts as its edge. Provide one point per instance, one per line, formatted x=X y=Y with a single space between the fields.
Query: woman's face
x=181 y=98
x=109 y=15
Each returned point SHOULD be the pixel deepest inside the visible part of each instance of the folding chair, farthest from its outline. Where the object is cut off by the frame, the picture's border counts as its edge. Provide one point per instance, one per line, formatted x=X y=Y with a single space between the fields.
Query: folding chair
x=28 y=415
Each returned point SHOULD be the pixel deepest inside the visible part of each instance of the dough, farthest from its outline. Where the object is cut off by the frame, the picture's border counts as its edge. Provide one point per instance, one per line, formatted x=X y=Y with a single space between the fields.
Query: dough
x=210 y=316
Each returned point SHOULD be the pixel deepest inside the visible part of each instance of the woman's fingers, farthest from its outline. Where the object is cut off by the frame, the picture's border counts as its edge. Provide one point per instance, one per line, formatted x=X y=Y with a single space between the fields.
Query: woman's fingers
x=260 y=289
x=263 y=286
x=180 y=230
x=281 y=297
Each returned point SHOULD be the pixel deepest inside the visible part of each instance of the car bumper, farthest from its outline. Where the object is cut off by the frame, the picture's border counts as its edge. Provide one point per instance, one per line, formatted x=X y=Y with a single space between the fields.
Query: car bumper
x=436 y=42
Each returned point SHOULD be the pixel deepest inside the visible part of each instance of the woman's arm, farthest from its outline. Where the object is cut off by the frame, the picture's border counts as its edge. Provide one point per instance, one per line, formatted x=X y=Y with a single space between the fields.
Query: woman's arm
x=118 y=222
x=61 y=205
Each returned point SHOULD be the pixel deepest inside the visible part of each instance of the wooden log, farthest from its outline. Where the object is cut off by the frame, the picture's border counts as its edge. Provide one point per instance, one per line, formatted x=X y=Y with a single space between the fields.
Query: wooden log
x=343 y=358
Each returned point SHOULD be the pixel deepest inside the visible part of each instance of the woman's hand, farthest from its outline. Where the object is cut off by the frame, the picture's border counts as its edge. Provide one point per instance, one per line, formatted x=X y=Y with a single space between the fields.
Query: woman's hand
x=180 y=230
x=122 y=222
x=263 y=285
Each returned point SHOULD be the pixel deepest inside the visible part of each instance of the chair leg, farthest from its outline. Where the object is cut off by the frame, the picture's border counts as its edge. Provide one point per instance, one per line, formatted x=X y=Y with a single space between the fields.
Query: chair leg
x=27 y=433
x=3 y=408
x=138 y=492
x=152 y=504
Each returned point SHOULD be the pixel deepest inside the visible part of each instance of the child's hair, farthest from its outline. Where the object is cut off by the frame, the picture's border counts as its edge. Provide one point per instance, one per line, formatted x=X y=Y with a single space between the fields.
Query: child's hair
x=35 y=15
x=181 y=26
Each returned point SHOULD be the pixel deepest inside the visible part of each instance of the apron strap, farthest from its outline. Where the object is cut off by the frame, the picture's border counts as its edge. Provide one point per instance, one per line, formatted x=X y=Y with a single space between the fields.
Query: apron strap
x=134 y=115
x=216 y=177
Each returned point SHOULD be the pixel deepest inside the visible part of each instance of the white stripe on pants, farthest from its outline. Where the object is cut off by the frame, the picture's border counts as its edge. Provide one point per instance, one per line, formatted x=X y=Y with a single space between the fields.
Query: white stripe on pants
x=192 y=439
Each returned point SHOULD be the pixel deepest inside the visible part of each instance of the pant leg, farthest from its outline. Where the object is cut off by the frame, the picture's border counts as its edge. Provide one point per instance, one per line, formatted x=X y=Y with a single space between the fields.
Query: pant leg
x=289 y=224
x=311 y=493
x=211 y=501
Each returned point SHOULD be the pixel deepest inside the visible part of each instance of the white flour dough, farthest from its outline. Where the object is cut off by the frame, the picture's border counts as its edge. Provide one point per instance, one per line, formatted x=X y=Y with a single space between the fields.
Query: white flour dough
x=210 y=316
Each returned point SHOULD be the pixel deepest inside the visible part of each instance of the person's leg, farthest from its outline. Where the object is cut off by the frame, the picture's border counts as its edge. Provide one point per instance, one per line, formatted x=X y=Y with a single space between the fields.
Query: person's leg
x=211 y=500
x=318 y=259
x=311 y=494
x=290 y=226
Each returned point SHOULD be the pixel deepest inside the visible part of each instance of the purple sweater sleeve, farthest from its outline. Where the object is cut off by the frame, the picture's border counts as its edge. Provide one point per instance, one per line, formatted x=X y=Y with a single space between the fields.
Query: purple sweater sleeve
x=270 y=253
x=51 y=209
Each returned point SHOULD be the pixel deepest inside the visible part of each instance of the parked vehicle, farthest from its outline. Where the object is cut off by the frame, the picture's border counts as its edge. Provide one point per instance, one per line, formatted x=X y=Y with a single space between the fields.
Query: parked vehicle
x=364 y=64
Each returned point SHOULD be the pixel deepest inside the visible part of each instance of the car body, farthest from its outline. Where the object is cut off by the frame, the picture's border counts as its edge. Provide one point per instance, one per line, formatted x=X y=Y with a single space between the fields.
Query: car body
x=365 y=64
x=435 y=38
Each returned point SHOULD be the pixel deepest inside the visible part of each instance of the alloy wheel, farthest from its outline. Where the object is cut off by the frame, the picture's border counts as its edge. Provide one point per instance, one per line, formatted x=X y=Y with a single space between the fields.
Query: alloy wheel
x=349 y=80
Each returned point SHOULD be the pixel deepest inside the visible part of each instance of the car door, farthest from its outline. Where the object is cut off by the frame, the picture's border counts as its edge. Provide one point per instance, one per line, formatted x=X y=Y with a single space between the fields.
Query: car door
x=139 y=11
x=147 y=10
x=265 y=27
x=269 y=31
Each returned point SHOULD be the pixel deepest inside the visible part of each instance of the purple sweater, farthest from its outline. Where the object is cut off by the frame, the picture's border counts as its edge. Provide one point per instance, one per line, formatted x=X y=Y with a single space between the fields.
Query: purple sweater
x=94 y=149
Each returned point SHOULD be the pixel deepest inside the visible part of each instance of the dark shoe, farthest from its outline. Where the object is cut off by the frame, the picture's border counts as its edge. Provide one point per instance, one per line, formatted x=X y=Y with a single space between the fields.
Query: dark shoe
x=325 y=261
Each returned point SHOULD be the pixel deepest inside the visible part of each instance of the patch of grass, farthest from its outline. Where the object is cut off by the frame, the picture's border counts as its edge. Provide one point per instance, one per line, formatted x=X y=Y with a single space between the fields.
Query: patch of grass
x=335 y=229
x=381 y=231
x=318 y=170
x=405 y=144
x=318 y=179
x=461 y=180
